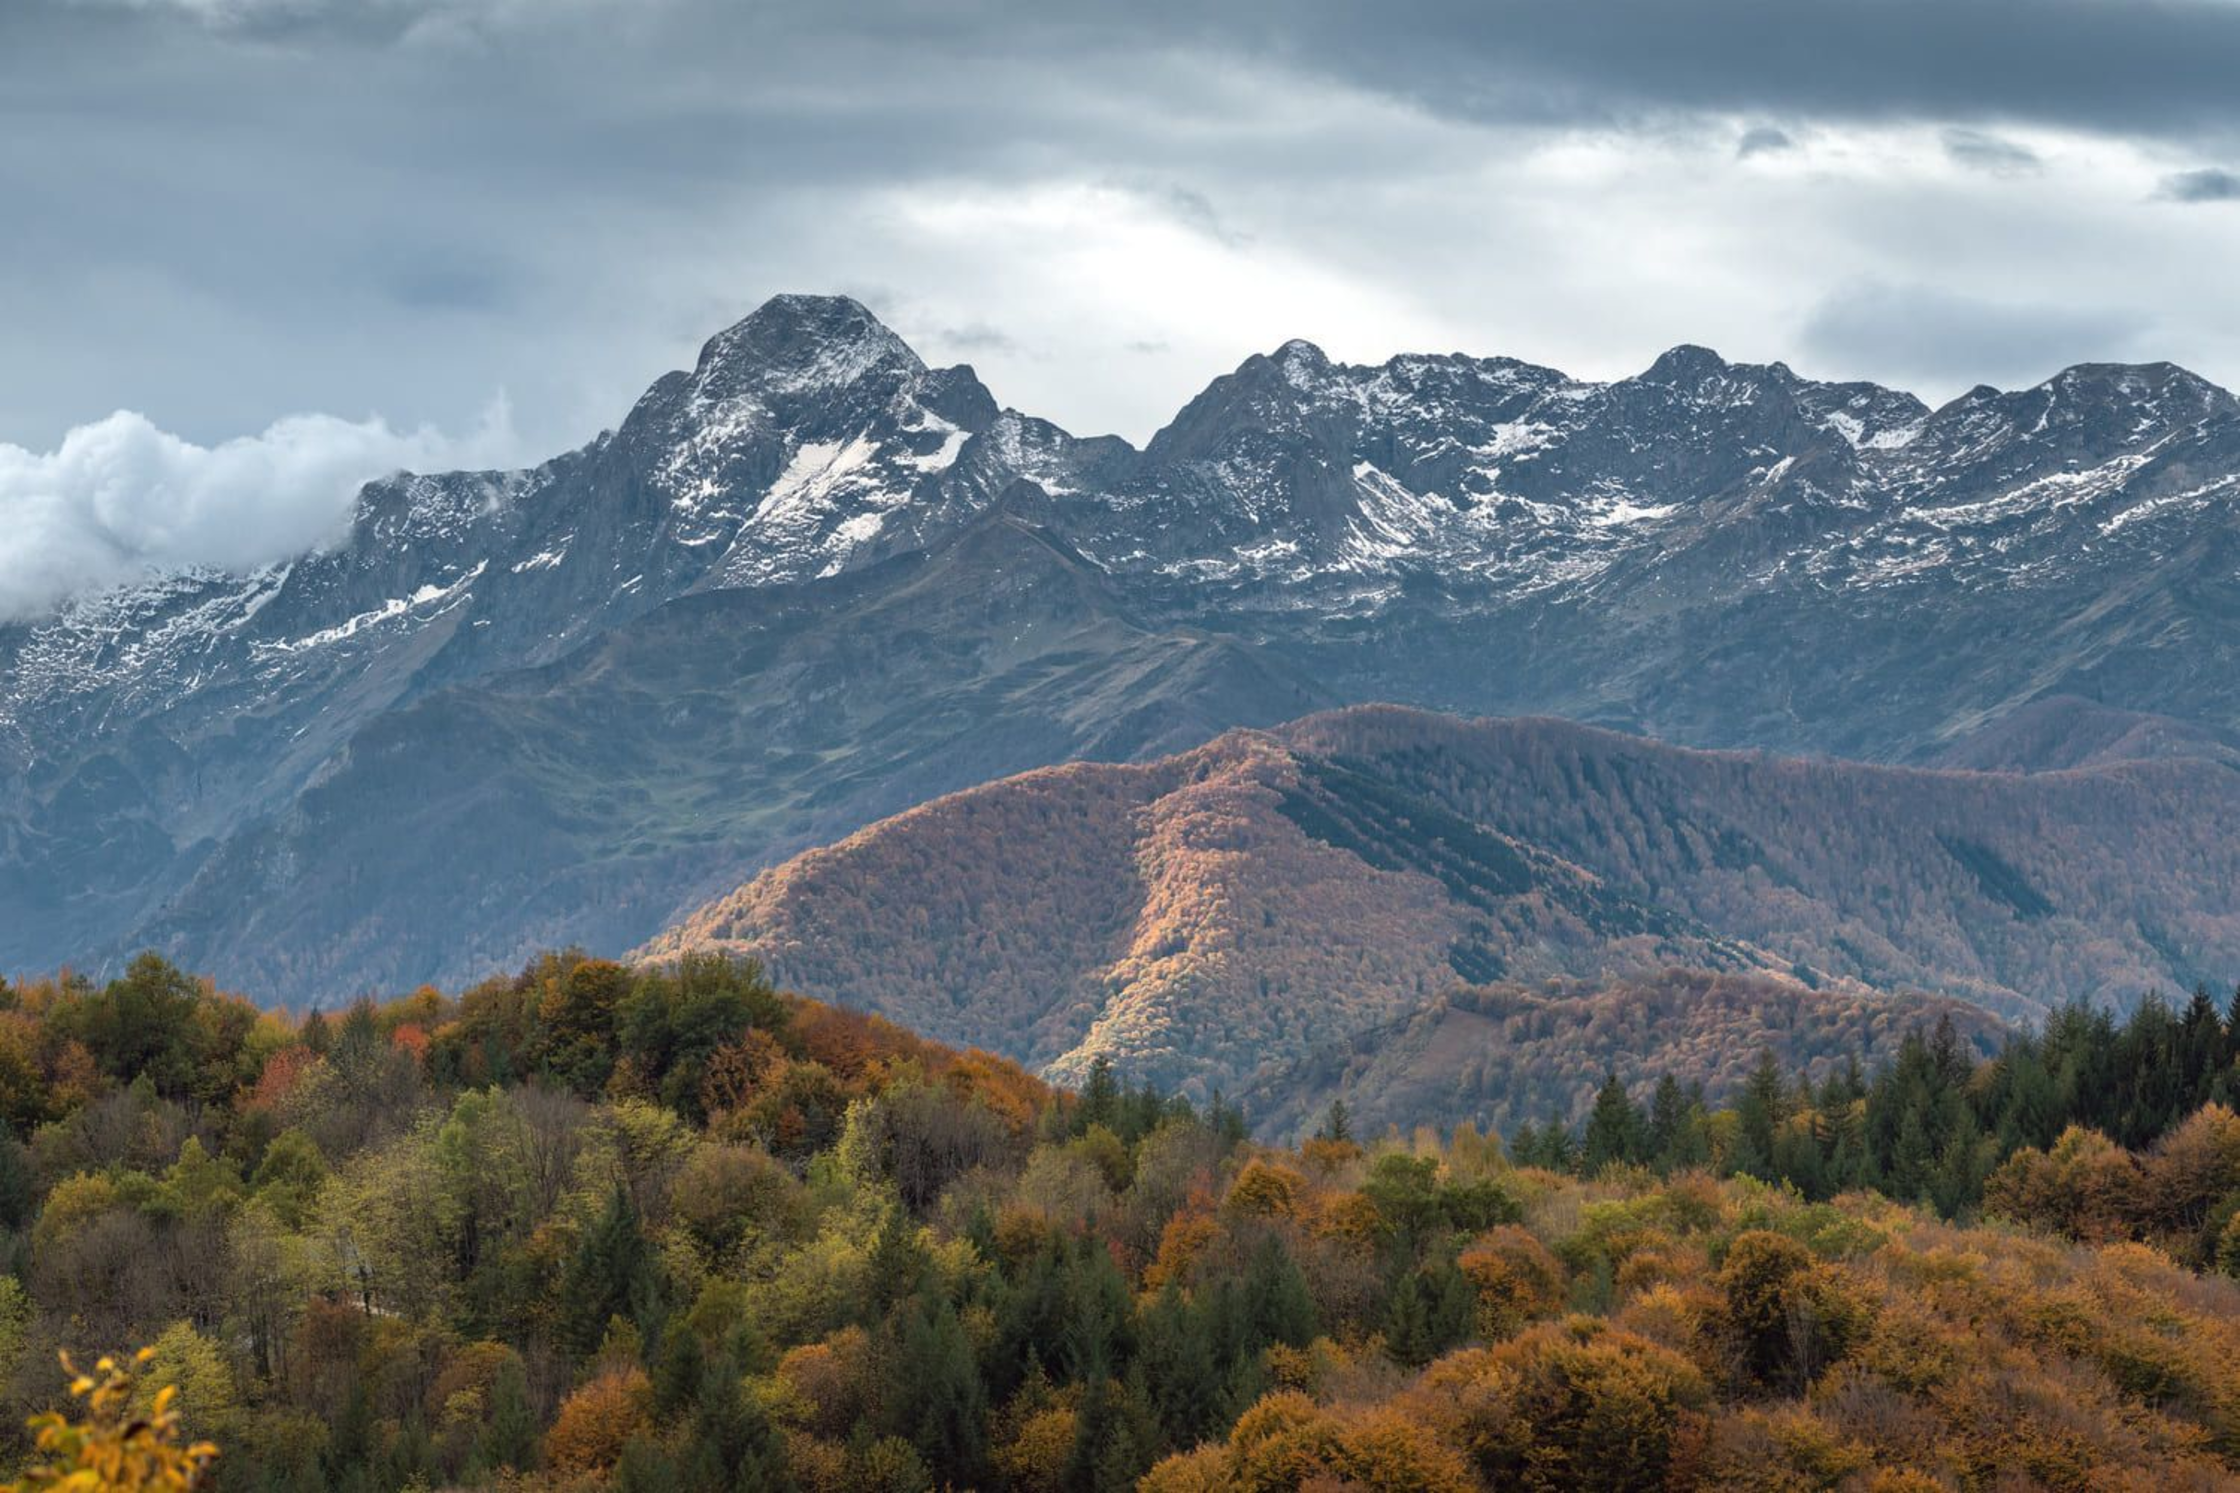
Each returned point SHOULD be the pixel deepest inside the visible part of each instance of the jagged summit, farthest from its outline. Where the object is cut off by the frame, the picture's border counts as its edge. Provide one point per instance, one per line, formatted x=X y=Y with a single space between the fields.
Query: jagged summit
x=1301 y=360
x=805 y=341
x=2162 y=391
x=1686 y=363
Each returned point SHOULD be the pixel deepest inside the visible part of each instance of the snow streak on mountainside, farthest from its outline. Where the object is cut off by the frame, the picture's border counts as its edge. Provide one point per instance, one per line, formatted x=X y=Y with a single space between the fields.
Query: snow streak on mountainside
x=1724 y=554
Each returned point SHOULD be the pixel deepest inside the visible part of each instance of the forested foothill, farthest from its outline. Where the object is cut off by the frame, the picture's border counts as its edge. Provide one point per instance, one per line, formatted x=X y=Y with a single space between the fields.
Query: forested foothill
x=597 y=1226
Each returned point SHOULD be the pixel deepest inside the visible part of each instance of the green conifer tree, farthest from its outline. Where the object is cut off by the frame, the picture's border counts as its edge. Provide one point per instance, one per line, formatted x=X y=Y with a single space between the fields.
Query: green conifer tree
x=611 y=1274
x=508 y=1437
x=1614 y=1128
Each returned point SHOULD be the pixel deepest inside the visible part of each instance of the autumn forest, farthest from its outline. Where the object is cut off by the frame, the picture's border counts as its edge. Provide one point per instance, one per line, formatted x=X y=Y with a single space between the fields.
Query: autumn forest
x=668 y=1228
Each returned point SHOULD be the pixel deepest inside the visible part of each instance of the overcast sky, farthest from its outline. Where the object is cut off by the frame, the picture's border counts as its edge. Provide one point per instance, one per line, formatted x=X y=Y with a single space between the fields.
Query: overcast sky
x=301 y=240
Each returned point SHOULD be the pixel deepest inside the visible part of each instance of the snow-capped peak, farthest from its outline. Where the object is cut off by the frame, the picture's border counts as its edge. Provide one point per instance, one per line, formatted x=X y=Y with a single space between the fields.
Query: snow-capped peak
x=799 y=344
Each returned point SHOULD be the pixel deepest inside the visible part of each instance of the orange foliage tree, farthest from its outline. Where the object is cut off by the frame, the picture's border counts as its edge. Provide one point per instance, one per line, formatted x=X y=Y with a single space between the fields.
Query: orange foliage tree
x=1516 y=1279
x=598 y=1420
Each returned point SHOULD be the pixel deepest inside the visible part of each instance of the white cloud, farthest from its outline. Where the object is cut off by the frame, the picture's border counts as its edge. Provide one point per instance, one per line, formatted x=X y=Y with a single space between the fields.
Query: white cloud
x=120 y=498
x=1043 y=260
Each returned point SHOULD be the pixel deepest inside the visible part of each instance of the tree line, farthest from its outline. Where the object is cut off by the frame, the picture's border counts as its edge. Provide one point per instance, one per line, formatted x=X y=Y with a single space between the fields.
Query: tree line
x=1937 y=1124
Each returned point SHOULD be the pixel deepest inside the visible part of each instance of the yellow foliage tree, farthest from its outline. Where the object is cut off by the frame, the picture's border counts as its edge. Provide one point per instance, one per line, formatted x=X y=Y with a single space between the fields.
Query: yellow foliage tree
x=114 y=1450
x=2087 y=1186
x=1571 y=1404
x=1035 y=1459
x=1266 y=1189
x=1288 y=1441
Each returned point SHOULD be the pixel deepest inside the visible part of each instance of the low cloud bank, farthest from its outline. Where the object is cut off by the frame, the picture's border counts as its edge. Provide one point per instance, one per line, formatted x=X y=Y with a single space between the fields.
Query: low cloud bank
x=120 y=498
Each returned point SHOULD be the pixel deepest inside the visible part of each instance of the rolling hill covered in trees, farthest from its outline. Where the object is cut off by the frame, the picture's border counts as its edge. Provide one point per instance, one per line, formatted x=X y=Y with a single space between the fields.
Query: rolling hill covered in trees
x=596 y=1229
x=1509 y=1054
x=1282 y=892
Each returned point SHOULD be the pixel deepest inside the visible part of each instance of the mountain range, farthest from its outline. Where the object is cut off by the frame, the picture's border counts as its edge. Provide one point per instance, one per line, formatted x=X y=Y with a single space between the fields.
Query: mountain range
x=813 y=582
x=1212 y=917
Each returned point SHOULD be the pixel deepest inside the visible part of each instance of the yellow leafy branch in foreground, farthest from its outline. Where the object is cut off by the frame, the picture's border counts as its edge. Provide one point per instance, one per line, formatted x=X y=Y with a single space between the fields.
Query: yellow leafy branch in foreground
x=114 y=1450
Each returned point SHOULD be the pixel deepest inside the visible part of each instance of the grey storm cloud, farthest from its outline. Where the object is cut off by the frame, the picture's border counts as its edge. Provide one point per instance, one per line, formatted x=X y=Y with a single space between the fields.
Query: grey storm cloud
x=2206 y=184
x=1762 y=140
x=2148 y=66
x=383 y=216
x=2152 y=66
x=1979 y=150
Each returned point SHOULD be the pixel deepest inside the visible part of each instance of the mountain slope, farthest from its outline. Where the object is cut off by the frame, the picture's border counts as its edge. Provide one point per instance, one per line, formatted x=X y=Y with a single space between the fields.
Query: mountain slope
x=231 y=767
x=2062 y=731
x=615 y=788
x=143 y=731
x=1173 y=914
x=1505 y=1055
x=1273 y=893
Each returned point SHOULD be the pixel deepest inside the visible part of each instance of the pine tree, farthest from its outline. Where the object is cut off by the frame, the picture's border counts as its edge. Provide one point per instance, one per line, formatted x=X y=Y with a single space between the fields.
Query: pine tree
x=1453 y=1306
x=1957 y=1181
x=2030 y=1113
x=1226 y=1121
x=1116 y=1437
x=1337 y=1124
x=1668 y=1112
x=1800 y=1158
x=2150 y=1073
x=1913 y=1157
x=1952 y=1062
x=19 y=1188
x=676 y=1372
x=509 y=1435
x=1407 y=1322
x=358 y=1045
x=734 y=1448
x=935 y=1398
x=1142 y=1111
x=2201 y=1042
x=1613 y=1128
x=350 y=1438
x=1097 y=1316
x=1175 y=1350
x=647 y=1468
x=980 y=1229
x=1841 y=1131
x=1278 y=1306
x=1100 y=1097
x=1760 y=1108
x=1559 y=1151
x=610 y=1275
x=897 y=1263
x=409 y=1458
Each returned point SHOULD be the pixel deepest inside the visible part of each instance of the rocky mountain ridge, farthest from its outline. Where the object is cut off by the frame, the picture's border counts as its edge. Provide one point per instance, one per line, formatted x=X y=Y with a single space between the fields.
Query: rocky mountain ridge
x=1722 y=554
